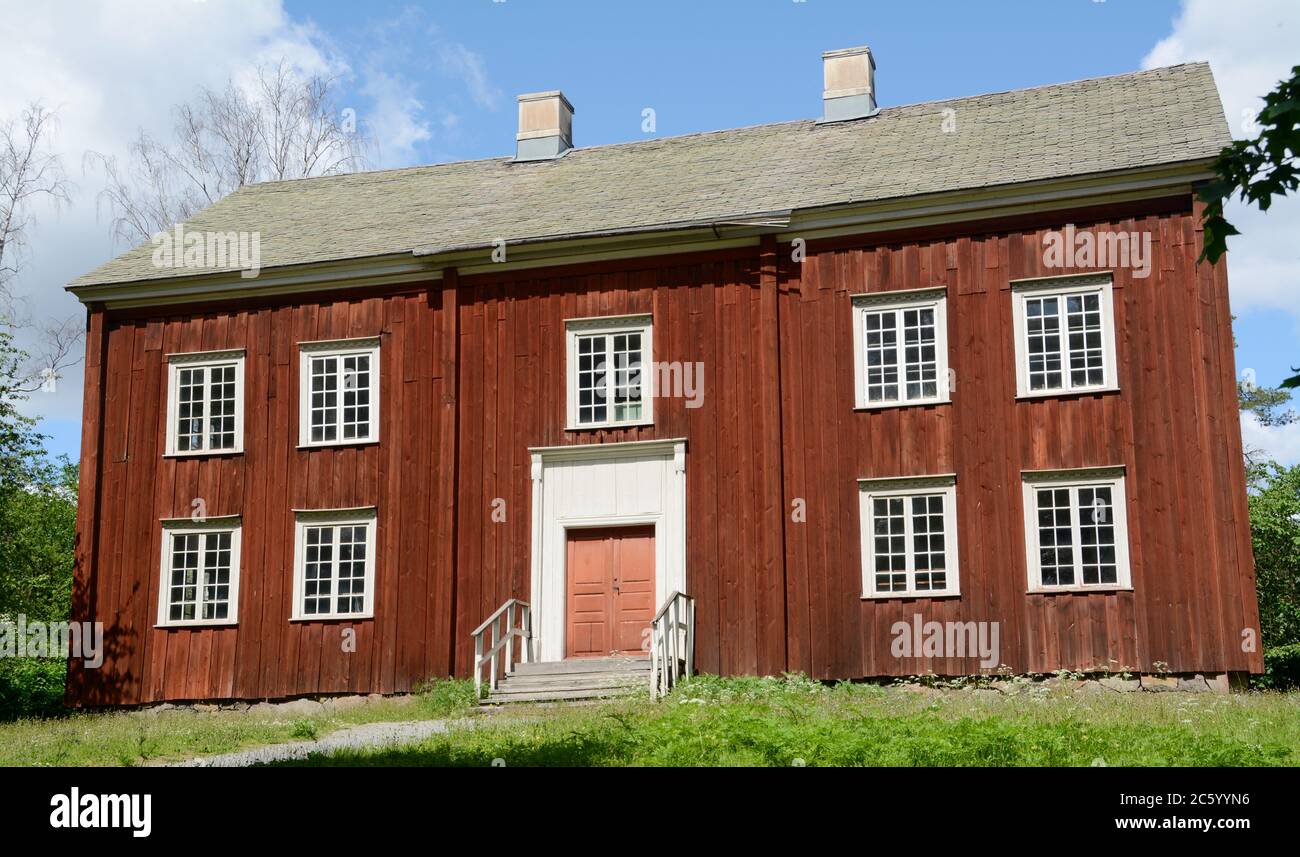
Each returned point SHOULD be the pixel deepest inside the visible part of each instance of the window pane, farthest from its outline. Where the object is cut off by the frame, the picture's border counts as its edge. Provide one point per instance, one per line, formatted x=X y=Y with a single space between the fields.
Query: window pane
x=351 y=570
x=206 y=405
x=889 y=531
x=190 y=410
x=216 y=575
x=318 y=570
x=929 y=557
x=221 y=407
x=593 y=361
x=1043 y=343
x=356 y=396
x=920 y=361
x=880 y=340
x=183 y=593
x=1055 y=536
x=324 y=399
x=334 y=569
x=627 y=376
x=1083 y=321
x=926 y=547
x=1097 y=535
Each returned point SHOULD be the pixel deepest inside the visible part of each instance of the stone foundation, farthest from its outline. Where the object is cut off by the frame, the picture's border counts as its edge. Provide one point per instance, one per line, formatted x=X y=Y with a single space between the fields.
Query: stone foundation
x=1220 y=683
x=318 y=706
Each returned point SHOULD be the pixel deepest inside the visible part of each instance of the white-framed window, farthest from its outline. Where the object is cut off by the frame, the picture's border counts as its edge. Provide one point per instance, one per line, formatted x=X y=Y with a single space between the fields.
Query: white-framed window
x=1065 y=335
x=200 y=572
x=205 y=403
x=900 y=348
x=909 y=536
x=338 y=384
x=608 y=367
x=1076 y=530
x=334 y=564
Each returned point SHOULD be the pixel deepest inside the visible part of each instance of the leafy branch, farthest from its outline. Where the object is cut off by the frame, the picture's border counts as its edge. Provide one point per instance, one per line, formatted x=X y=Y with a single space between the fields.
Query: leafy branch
x=1256 y=171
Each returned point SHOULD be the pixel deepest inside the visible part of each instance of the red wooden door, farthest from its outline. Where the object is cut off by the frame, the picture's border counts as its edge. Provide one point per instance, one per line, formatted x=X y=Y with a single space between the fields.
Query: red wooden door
x=611 y=588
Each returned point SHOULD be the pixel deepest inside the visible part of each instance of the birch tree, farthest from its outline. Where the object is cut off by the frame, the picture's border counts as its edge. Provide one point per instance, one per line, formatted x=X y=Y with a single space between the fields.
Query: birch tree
x=282 y=126
x=30 y=172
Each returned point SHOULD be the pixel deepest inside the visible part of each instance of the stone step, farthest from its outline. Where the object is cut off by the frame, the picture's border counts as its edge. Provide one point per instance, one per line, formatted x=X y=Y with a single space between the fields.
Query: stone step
x=576 y=666
x=593 y=679
x=559 y=695
x=573 y=679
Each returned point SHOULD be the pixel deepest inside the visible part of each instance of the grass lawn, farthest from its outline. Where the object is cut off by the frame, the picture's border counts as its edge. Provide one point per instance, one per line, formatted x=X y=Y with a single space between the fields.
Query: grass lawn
x=138 y=738
x=796 y=722
x=712 y=721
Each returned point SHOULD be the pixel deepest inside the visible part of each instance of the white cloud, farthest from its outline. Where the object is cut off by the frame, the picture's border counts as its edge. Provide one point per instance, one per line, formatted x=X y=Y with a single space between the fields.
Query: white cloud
x=468 y=66
x=111 y=68
x=395 y=119
x=108 y=69
x=1250 y=47
x=414 y=74
x=1279 y=443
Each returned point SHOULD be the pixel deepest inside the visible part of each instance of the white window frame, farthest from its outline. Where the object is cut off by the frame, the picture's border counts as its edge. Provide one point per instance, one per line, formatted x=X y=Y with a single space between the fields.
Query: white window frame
x=359 y=517
x=203 y=360
x=944 y=485
x=340 y=348
x=935 y=299
x=609 y=326
x=1063 y=287
x=187 y=526
x=1089 y=477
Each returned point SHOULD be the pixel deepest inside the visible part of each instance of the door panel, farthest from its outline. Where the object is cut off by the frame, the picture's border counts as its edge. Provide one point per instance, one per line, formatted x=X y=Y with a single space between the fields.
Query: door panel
x=610 y=583
x=590 y=590
x=634 y=590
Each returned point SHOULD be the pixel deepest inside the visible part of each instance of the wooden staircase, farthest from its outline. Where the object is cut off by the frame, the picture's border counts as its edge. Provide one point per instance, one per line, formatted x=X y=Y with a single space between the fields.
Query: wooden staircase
x=503 y=649
x=577 y=678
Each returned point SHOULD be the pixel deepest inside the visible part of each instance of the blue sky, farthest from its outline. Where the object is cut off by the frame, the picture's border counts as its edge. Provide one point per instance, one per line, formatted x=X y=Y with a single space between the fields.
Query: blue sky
x=436 y=82
x=710 y=65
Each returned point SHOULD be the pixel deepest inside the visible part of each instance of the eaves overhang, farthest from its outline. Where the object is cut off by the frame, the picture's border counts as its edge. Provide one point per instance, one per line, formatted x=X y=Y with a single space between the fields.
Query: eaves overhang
x=426 y=263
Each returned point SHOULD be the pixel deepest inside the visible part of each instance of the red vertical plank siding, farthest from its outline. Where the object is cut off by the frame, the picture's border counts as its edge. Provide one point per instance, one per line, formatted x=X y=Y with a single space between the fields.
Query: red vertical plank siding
x=473 y=374
x=89 y=494
x=442 y=592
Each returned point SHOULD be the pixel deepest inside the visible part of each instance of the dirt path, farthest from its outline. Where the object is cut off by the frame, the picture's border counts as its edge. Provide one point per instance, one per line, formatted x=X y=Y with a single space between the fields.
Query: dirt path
x=365 y=736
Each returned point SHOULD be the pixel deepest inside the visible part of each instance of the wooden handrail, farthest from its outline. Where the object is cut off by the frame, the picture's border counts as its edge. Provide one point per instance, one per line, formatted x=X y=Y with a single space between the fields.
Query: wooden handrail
x=488 y=621
x=672 y=644
x=668 y=602
x=502 y=641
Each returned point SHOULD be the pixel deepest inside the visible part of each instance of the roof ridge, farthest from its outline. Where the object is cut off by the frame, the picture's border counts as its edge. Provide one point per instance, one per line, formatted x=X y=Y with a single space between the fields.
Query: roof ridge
x=884 y=111
x=1169 y=115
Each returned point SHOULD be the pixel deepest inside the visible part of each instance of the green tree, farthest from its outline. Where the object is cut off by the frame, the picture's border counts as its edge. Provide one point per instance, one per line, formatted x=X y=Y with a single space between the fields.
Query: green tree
x=1256 y=171
x=38 y=501
x=1266 y=404
x=37 y=537
x=38 y=508
x=20 y=443
x=1274 y=500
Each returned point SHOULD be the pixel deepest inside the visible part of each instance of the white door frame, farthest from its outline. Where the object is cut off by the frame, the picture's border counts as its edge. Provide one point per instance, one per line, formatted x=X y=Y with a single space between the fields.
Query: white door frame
x=636 y=463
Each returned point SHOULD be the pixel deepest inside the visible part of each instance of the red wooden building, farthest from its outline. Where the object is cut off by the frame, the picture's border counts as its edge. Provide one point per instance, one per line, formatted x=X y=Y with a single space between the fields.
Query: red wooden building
x=950 y=362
